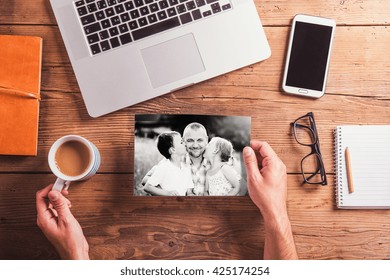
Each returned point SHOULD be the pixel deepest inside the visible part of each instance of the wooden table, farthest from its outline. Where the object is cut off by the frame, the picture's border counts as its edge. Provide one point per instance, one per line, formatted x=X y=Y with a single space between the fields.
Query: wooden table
x=120 y=226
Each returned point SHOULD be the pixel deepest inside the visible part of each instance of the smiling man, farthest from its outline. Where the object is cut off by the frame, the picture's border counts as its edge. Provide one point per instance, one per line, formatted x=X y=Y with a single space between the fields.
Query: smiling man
x=196 y=139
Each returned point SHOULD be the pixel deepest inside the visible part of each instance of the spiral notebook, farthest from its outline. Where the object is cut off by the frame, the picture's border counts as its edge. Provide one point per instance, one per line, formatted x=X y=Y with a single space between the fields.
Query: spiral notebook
x=369 y=147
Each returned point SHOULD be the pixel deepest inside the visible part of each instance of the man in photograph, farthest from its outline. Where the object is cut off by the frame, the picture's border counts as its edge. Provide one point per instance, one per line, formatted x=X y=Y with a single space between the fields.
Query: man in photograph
x=195 y=139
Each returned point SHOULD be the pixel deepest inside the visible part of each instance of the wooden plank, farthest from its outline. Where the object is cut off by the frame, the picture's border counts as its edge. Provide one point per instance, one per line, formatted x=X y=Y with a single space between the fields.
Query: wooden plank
x=366 y=12
x=271 y=117
x=120 y=226
x=358 y=66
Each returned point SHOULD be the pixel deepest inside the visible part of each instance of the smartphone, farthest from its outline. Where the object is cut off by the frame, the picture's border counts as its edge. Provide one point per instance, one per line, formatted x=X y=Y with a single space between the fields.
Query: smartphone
x=308 y=56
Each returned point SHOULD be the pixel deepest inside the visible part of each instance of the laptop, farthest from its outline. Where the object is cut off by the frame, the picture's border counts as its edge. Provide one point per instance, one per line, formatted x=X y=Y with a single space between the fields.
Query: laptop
x=124 y=52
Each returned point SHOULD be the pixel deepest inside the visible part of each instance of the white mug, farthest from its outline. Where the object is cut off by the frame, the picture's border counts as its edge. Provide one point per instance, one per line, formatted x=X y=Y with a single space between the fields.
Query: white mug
x=63 y=181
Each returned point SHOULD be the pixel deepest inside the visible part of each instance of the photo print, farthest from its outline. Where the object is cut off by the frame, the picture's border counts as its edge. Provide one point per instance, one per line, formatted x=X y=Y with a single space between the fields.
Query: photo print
x=190 y=155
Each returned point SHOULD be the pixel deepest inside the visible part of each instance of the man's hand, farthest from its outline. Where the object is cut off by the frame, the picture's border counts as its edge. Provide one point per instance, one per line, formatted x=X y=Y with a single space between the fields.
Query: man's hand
x=267 y=186
x=58 y=224
x=268 y=190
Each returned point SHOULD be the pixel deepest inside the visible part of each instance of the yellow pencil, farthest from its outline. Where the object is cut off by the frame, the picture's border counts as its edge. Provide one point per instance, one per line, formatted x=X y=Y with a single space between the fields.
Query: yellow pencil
x=349 y=171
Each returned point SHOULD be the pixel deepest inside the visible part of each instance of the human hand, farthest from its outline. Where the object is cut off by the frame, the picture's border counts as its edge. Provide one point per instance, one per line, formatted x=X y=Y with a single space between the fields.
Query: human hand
x=58 y=224
x=268 y=190
x=267 y=186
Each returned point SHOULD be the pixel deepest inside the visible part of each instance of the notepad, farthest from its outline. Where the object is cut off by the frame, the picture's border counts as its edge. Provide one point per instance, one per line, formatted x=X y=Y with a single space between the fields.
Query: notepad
x=20 y=80
x=369 y=147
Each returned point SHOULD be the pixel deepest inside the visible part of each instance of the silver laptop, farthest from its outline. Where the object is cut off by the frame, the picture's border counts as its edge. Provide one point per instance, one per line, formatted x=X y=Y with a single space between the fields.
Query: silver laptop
x=127 y=51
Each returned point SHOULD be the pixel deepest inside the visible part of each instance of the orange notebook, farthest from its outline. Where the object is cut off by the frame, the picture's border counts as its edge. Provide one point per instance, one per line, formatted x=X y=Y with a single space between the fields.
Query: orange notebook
x=20 y=80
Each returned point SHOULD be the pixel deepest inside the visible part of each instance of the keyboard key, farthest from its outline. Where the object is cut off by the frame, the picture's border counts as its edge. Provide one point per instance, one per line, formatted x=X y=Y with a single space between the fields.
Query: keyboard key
x=152 y=18
x=119 y=9
x=163 y=4
x=103 y=34
x=111 y=2
x=138 y=3
x=216 y=8
x=144 y=11
x=162 y=15
x=106 y=23
x=79 y=3
x=100 y=15
x=82 y=11
x=196 y=14
x=92 y=7
x=92 y=28
x=89 y=1
x=88 y=19
x=190 y=5
x=115 y=20
x=156 y=28
x=105 y=46
x=125 y=17
x=95 y=49
x=134 y=14
x=148 y=1
x=181 y=8
x=207 y=13
x=93 y=38
x=114 y=42
x=142 y=21
x=110 y=12
x=153 y=7
x=121 y=1
x=129 y=6
x=113 y=31
x=200 y=3
x=171 y=12
x=133 y=25
x=226 y=7
x=101 y=4
x=123 y=28
x=173 y=2
x=185 y=18
x=211 y=1
x=182 y=1
x=125 y=38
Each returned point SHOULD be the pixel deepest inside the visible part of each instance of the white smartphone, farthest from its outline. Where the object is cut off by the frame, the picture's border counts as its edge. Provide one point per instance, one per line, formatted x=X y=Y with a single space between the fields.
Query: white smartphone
x=308 y=56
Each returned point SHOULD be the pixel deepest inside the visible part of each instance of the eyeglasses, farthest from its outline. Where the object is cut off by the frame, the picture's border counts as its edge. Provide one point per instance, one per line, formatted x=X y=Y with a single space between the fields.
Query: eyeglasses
x=312 y=166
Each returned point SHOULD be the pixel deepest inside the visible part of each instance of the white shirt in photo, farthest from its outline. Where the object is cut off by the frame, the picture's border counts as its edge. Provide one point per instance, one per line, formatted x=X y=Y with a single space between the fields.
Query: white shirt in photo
x=171 y=178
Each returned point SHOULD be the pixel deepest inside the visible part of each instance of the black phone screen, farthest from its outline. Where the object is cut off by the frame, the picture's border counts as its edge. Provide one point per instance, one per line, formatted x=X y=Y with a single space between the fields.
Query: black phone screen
x=309 y=56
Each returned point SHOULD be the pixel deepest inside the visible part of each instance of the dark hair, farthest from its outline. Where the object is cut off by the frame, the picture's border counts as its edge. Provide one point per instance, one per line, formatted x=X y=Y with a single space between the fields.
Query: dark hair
x=165 y=142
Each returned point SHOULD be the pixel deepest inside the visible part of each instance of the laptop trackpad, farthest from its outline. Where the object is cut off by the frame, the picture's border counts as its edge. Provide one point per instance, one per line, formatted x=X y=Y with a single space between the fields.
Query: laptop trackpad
x=172 y=60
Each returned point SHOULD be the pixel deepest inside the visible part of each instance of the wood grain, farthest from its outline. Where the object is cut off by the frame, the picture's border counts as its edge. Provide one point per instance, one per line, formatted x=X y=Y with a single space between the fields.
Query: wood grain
x=120 y=226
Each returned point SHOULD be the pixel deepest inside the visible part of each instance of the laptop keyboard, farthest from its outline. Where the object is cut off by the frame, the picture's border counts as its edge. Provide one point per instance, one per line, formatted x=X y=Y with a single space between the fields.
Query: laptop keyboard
x=109 y=24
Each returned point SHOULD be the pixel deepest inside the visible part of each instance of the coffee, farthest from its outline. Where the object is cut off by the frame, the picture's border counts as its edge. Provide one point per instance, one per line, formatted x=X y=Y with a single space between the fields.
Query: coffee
x=72 y=158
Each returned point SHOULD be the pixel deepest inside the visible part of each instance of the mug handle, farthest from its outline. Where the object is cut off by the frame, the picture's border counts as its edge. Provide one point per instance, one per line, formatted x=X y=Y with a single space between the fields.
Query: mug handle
x=60 y=185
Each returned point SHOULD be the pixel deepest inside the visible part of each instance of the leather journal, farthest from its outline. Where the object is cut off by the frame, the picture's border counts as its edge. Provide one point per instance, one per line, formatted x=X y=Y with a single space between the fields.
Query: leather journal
x=20 y=80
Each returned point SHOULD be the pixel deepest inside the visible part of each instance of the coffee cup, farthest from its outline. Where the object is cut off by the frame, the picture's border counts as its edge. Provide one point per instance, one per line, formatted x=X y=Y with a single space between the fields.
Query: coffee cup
x=72 y=158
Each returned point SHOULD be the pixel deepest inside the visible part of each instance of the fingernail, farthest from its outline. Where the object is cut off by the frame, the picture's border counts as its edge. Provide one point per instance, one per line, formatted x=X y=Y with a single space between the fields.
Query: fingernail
x=248 y=151
x=54 y=196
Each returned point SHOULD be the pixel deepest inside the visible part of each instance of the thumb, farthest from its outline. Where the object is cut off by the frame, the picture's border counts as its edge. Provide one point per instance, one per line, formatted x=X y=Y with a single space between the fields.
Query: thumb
x=250 y=160
x=60 y=204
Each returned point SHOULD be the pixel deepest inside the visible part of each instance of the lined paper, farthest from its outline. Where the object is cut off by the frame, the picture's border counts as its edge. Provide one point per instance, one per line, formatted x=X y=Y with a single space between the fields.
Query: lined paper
x=369 y=147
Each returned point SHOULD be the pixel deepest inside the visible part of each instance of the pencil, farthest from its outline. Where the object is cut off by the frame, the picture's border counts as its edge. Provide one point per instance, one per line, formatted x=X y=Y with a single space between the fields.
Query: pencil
x=349 y=171
x=16 y=92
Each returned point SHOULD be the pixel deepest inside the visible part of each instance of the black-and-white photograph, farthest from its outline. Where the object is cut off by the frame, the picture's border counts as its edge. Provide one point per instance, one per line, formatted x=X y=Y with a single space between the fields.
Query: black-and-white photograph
x=190 y=155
